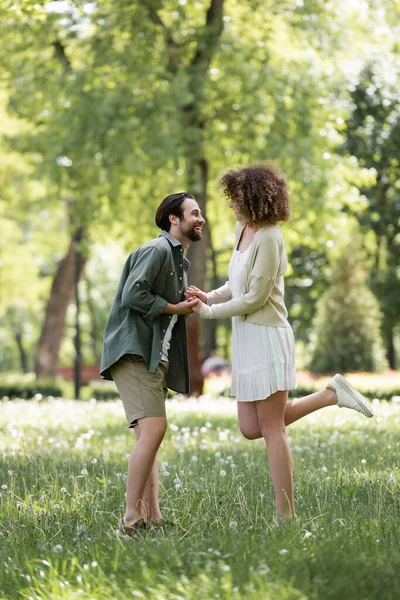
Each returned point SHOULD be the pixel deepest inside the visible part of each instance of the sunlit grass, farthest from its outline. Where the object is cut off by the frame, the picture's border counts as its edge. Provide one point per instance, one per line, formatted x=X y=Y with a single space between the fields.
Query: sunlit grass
x=62 y=478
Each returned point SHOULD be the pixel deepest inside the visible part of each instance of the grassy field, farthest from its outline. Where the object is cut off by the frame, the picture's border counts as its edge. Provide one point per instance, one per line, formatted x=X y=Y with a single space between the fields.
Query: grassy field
x=62 y=477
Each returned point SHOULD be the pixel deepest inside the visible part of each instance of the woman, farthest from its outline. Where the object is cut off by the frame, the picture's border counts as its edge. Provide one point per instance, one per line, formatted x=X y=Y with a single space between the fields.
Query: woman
x=263 y=362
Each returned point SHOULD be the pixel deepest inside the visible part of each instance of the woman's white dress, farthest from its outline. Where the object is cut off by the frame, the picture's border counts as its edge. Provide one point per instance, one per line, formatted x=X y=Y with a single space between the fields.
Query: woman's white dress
x=263 y=357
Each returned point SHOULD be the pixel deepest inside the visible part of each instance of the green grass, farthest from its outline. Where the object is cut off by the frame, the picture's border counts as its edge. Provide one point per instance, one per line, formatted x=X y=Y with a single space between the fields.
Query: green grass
x=62 y=479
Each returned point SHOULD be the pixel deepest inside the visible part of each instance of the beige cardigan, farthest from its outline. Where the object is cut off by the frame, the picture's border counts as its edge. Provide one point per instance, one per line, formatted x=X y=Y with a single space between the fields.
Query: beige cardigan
x=262 y=302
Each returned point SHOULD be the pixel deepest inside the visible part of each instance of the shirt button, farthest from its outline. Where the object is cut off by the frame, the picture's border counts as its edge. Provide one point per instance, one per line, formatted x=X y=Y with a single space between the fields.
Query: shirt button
x=171 y=273
x=180 y=265
x=137 y=285
x=180 y=278
x=180 y=291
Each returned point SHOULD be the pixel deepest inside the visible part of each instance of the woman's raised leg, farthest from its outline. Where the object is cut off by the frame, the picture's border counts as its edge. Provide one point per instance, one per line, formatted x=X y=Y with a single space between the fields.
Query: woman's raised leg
x=295 y=409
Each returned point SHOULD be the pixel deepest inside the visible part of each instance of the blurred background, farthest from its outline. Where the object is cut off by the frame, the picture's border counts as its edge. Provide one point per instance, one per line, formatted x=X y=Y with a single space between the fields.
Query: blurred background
x=107 y=107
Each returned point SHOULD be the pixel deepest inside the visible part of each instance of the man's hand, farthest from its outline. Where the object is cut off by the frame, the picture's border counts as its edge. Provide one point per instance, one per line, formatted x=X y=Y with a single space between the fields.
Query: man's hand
x=183 y=308
x=194 y=292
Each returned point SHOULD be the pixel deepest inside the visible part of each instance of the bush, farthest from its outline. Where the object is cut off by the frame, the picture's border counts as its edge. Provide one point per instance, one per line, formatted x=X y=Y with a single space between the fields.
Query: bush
x=347 y=322
x=26 y=387
x=101 y=390
x=106 y=390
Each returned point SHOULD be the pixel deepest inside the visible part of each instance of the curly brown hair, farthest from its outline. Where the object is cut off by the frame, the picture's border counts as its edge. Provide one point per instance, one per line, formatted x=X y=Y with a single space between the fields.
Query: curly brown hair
x=259 y=193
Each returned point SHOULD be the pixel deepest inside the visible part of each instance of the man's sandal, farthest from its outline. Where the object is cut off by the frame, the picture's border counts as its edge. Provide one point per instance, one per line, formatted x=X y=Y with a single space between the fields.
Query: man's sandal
x=131 y=530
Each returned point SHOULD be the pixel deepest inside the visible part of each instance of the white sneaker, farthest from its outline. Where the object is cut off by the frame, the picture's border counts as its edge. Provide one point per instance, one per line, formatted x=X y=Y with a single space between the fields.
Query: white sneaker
x=349 y=397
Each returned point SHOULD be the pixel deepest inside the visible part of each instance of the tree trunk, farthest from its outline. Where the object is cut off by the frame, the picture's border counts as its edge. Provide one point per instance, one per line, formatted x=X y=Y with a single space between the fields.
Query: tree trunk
x=94 y=333
x=198 y=177
x=210 y=326
x=77 y=340
x=390 y=350
x=62 y=292
x=22 y=353
x=192 y=123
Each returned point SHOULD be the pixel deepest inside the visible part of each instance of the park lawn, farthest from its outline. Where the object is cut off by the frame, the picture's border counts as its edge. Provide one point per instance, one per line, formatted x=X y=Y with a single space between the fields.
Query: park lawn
x=62 y=478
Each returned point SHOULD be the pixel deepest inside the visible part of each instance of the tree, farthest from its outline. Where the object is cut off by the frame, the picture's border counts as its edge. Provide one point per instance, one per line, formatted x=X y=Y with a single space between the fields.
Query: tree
x=372 y=134
x=347 y=322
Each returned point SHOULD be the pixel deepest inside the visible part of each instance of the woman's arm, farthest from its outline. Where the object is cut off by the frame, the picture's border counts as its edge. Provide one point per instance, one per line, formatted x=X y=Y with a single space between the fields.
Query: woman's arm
x=261 y=282
x=221 y=294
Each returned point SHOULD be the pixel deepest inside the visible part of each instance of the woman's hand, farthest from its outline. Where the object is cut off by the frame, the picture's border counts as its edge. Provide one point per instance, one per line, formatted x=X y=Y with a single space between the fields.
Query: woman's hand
x=194 y=292
x=196 y=308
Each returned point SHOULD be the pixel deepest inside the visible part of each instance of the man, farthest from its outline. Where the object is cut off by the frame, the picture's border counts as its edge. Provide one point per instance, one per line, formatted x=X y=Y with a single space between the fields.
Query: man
x=144 y=348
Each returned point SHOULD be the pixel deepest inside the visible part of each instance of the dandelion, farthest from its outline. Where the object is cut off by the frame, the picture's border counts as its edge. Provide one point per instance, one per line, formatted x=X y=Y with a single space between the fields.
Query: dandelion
x=94 y=563
x=166 y=473
x=363 y=461
x=324 y=469
x=283 y=552
x=226 y=568
x=58 y=548
x=106 y=453
x=84 y=472
x=307 y=535
x=222 y=473
x=195 y=458
x=4 y=486
x=203 y=430
x=94 y=461
x=63 y=490
x=233 y=524
x=217 y=454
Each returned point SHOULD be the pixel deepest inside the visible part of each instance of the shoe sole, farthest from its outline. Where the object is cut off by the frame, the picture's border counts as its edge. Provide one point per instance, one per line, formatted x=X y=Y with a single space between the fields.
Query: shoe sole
x=359 y=398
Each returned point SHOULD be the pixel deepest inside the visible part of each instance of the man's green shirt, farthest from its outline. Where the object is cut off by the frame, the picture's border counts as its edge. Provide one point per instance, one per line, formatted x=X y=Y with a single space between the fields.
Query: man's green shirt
x=153 y=276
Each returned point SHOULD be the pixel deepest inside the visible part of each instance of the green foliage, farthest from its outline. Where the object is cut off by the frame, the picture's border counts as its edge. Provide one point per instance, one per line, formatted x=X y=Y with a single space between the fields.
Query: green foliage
x=107 y=106
x=347 y=320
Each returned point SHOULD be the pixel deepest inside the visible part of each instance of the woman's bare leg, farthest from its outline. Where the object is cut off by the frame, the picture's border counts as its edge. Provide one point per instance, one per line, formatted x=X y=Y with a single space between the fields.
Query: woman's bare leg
x=141 y=466
x=295 y=410
x=300 y=407
x=271 y=416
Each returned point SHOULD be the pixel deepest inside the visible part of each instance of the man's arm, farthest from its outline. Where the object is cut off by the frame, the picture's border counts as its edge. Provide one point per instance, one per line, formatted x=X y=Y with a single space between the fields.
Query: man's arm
x=137 y=293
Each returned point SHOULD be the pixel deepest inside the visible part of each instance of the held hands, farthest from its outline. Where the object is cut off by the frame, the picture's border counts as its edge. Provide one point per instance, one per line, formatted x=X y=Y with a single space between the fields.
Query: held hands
x=193 y=293
x=187 y=307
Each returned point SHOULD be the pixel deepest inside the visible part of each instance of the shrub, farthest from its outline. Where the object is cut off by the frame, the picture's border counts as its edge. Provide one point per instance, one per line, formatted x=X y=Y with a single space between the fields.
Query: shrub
x=347 y=323
x=26 y=387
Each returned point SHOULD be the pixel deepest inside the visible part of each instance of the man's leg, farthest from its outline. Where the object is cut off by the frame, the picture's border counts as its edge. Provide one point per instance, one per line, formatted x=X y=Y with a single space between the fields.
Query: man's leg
x=150 y=506
x=141 y=466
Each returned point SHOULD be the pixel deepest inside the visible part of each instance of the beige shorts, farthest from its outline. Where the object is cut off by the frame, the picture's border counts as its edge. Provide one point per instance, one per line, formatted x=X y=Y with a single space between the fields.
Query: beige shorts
x=142 y=393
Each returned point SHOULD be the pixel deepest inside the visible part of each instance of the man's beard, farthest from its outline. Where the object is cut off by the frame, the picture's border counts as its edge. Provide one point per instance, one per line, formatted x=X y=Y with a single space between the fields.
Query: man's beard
x=193 y=234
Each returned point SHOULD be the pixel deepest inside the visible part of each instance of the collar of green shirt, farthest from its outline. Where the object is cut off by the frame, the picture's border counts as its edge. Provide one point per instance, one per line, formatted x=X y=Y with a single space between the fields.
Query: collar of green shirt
x=170 y=238
x=175 y=243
